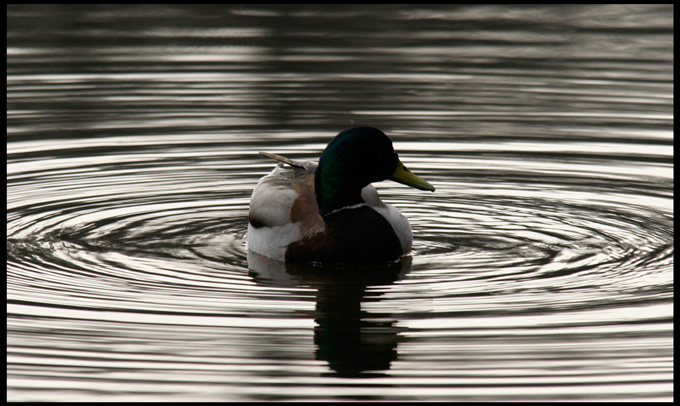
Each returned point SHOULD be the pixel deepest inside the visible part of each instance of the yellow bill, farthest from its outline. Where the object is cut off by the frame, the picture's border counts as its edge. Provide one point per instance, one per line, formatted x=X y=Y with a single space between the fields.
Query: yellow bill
x=403 y=175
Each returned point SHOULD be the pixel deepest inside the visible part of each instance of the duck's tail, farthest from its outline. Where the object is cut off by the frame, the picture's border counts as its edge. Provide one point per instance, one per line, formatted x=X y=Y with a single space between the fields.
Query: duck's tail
x=283 y=159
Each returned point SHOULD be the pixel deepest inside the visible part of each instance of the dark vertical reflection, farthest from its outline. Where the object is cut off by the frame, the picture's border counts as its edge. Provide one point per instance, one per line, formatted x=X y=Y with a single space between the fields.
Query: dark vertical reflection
x=354 y=342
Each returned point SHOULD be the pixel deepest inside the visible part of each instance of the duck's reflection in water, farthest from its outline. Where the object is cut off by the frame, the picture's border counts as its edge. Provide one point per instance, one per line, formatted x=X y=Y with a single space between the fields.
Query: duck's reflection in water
x=354 y=342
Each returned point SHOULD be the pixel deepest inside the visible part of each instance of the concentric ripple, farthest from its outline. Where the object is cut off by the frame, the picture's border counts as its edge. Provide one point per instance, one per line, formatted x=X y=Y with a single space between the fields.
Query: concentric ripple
x=150 y=248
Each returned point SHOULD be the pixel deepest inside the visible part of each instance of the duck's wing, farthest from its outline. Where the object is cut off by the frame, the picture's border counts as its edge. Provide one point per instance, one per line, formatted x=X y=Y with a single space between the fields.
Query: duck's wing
x=277 y=193
x=283 y=207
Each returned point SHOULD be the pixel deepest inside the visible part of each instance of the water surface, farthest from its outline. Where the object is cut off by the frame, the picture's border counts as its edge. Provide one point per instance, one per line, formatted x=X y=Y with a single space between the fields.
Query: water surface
x=542 y=264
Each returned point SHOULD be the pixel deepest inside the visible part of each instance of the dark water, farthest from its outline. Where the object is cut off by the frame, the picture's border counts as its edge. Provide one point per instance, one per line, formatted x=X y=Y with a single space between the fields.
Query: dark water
x=542 y=265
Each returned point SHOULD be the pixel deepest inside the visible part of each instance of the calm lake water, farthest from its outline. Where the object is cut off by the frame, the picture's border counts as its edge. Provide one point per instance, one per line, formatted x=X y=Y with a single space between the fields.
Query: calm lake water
x=542 y=264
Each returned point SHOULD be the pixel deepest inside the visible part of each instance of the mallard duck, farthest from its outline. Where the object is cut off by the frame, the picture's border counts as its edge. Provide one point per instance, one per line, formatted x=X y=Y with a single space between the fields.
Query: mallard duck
x=329 y=213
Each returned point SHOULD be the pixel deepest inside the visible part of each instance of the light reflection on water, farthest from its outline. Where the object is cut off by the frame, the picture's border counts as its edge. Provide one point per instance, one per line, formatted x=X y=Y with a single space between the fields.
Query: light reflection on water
x=542 y=265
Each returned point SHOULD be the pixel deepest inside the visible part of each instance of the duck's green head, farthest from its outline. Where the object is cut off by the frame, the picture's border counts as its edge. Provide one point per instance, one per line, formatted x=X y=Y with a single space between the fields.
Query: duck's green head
x=352 y=160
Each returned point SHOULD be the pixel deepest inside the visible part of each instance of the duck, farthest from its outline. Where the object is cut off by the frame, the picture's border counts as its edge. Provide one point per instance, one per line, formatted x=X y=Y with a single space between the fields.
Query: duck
x=328 y=212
